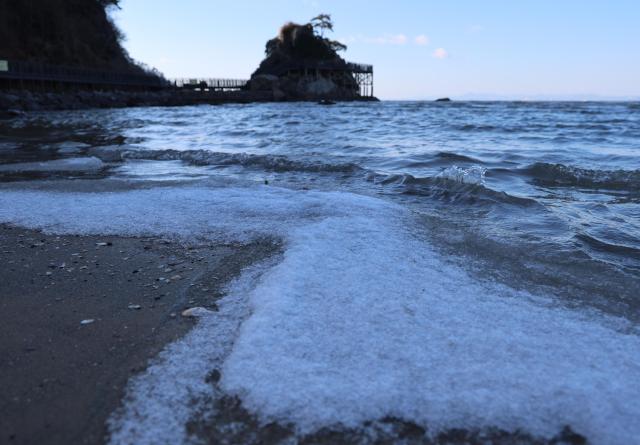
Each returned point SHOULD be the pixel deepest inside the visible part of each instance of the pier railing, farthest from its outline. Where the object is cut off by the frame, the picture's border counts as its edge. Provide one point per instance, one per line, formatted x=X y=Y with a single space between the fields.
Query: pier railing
x=21 y=71
x=325 y=65
x=360 y=68
x=210 y=84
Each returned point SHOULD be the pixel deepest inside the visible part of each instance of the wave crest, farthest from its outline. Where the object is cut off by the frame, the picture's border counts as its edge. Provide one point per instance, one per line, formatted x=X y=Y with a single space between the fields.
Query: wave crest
x=268 y=162
x=472 y=175
x=453 y=184
x=562 y=175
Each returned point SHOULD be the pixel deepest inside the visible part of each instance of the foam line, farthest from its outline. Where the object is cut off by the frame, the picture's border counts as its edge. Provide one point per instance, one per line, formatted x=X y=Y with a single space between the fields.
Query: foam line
x=59 y=165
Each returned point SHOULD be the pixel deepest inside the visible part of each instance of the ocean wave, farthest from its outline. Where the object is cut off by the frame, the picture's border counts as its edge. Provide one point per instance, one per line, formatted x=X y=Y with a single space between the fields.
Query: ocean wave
x=475 y=127
x=442 y=158
x=472 y=175
x=562 y=175
x=275 y=163
x=449 y=156
x=454 y=184
x=609 y=247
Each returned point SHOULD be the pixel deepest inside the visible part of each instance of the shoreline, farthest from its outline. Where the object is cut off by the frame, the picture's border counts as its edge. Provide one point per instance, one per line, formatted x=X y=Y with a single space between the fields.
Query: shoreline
x=14 y=102
x=81 y=315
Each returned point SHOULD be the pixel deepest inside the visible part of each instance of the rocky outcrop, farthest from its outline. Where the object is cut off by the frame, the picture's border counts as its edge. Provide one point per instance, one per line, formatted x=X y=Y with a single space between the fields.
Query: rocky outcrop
x=15 y=103
x=303 y=65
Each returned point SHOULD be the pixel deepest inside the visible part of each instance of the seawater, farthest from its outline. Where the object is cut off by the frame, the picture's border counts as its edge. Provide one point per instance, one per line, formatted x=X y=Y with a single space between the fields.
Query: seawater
x=456 y=265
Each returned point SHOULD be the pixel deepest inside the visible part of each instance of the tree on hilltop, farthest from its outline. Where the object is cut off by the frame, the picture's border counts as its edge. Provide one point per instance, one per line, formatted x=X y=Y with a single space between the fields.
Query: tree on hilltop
x=107 y=3
x=322 y=22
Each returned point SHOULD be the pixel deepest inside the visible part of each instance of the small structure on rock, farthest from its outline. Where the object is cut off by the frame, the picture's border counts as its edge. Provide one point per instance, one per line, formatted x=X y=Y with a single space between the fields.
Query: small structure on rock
x=302 y=64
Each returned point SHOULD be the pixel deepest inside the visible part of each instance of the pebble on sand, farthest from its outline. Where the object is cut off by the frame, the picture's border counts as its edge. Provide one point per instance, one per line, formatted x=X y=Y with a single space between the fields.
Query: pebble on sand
x=194 y=312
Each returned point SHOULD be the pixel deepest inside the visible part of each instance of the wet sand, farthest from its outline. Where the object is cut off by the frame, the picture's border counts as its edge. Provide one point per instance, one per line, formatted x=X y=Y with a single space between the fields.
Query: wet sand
x=80 y=315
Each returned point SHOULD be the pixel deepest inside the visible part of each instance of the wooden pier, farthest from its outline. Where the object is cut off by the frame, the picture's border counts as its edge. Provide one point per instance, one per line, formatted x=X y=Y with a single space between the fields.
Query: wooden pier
x=361 y=73
x=196 y=84
x=44 y=77
x=41 y=77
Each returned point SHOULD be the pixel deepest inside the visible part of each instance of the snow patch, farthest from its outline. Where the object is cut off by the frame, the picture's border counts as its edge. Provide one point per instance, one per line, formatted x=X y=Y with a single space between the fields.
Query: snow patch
x=161 y=401
x=360 y=320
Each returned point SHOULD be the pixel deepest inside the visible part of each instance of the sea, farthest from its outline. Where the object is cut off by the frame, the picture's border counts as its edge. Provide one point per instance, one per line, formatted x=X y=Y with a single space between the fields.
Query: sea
x=462 y=265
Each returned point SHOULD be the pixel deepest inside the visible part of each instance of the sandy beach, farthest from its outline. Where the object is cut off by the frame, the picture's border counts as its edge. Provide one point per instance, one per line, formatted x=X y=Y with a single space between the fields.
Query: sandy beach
x=467 y=301
x=319 y=223
x=80 y=315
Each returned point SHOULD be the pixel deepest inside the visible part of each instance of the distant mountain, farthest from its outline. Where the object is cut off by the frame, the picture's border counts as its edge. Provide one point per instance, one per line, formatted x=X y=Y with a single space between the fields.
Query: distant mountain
x=547 y=97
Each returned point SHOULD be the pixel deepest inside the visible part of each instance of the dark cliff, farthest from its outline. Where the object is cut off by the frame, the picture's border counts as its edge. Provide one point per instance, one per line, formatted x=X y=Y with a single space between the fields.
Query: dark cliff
x=76 y=33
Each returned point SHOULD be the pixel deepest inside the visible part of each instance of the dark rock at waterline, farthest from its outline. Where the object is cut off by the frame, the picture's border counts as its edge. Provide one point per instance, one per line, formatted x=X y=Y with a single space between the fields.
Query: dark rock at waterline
x=23 y=100
x=10 y=114
x=443 y=99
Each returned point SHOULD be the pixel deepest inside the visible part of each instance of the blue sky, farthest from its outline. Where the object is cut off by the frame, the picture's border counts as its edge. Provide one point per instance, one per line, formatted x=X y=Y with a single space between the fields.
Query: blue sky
x=420 y=49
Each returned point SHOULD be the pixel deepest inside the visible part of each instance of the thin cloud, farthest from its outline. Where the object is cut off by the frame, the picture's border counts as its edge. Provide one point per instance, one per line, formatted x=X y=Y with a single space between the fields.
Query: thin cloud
x=421 y=40
x=399 y=39
x=387 y=39
x=475 y=29
x=440 y=53
x=165 y=60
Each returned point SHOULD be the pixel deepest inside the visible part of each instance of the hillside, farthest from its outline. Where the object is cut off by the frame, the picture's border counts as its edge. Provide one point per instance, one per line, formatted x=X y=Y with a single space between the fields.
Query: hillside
x=63 y=32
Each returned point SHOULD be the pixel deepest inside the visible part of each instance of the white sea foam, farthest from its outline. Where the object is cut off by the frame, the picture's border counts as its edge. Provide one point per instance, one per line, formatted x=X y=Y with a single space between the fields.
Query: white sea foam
x=360 y=320
x=472 y=175
x=60 y=165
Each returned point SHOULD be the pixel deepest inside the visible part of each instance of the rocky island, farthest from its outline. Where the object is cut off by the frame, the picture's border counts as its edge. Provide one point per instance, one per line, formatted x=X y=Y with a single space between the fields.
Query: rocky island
x=302 y=64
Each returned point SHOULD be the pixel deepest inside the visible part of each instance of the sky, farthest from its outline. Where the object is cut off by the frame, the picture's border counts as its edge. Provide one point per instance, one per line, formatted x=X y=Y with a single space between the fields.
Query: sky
x=466 y=49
